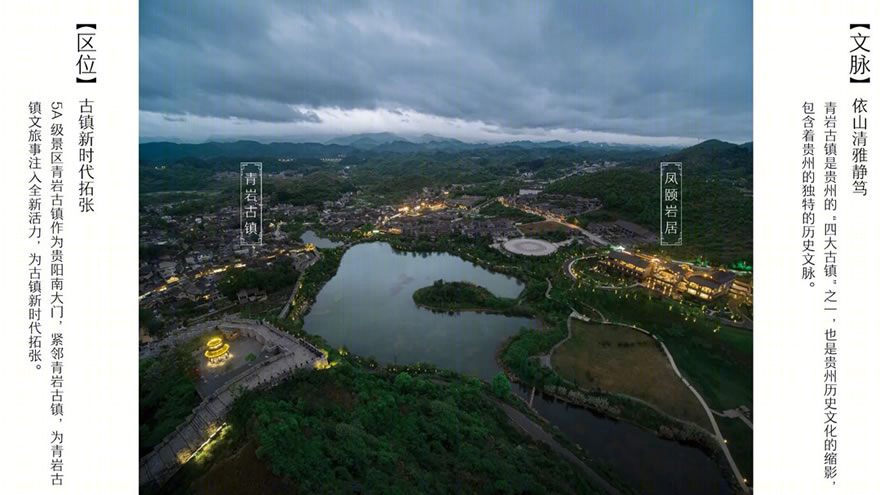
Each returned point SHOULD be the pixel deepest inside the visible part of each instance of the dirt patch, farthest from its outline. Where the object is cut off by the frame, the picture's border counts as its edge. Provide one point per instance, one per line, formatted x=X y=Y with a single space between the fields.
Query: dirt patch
x=625 y=361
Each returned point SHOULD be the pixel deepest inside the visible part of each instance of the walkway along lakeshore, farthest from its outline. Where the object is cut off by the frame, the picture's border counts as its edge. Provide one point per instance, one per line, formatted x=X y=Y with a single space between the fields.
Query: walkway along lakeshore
x=178 y=446
x=545 y=360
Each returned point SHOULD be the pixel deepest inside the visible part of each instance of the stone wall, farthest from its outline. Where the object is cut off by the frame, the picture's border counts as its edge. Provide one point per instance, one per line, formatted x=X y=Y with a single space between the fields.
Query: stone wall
x=178 y=446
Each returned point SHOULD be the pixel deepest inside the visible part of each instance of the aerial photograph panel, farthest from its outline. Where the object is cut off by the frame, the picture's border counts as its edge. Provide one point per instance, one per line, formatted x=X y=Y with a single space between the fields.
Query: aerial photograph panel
x=445 y=247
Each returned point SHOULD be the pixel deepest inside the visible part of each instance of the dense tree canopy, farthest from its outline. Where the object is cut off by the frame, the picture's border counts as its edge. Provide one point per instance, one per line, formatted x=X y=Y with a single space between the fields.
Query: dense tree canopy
x=348 y=430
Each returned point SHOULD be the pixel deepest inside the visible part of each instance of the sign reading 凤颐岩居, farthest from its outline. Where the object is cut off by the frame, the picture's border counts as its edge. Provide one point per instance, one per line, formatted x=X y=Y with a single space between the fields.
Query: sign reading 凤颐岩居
x=670 y=204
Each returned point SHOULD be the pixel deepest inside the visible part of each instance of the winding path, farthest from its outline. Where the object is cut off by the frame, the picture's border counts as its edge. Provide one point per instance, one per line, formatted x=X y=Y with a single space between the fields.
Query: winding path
x=718 y=436
x=196 y=430
x=734 y=413
x=568 y=264
x=594 y=238
x=546 y=361
x=535 y=431
x=297 y=286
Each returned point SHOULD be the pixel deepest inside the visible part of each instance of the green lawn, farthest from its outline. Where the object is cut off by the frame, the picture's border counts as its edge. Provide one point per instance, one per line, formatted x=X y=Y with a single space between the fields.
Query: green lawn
x=625 y=361
x=739 y=442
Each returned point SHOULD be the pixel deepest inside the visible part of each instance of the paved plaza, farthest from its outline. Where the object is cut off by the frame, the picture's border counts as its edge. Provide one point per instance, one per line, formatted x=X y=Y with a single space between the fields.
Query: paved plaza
x=529 y=247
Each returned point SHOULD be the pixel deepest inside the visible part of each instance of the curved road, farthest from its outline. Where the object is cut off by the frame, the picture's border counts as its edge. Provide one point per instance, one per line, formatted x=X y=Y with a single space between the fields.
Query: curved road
x=546 y=360
x=535 y=431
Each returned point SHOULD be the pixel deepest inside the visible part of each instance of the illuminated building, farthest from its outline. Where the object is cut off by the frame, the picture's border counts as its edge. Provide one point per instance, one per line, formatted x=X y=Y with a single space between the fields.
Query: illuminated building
x=675 y=280
x=742 y=290
x=217 y=350
x=668 y=279
x=632 y=265
x=709 y=285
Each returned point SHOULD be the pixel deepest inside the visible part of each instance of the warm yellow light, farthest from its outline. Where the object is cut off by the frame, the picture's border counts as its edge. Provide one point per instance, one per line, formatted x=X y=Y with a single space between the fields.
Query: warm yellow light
x=215 y=353
x=216 y=348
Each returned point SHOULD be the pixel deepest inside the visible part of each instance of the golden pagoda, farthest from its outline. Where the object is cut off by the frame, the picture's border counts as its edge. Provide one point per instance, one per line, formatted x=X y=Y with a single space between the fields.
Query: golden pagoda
x=217 y=350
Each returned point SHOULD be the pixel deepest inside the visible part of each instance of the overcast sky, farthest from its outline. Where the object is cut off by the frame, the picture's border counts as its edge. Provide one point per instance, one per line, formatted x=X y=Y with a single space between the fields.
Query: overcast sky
x=627 y=71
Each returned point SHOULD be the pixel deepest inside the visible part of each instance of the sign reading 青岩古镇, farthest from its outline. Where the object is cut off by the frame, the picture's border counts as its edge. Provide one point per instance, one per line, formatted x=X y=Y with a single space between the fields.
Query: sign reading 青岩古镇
x=251 y=204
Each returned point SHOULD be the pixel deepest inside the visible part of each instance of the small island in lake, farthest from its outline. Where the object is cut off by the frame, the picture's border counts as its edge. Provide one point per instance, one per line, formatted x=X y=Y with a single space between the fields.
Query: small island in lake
x=465 y=296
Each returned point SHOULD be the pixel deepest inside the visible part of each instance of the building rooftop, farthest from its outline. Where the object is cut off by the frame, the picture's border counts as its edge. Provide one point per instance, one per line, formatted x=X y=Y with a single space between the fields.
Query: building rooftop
x=723 y=276
x=630 y=258
x=704 y=281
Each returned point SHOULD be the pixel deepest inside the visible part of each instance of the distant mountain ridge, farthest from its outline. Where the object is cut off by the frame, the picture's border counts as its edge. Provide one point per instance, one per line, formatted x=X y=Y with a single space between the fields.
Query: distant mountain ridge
x=711 y=155
x=244 y=150
x=377 y=142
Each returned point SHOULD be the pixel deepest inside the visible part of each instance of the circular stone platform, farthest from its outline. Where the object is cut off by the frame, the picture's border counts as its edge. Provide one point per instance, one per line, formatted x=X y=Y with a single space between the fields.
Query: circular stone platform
x=529 y=247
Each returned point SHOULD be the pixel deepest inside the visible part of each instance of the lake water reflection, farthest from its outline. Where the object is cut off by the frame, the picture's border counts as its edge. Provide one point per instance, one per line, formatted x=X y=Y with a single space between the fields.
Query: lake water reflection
x=319 y=242
x=368 y=308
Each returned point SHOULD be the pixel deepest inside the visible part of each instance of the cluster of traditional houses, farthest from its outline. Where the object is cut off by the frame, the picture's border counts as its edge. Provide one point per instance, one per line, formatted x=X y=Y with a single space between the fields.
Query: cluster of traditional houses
x=622 y=232
x=432 y=225
x=558 y=205
x=351 y=218
x=677 y=280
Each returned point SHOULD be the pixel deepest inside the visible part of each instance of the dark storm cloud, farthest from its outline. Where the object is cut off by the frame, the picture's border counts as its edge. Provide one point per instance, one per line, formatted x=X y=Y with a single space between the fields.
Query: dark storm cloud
x=633 y=67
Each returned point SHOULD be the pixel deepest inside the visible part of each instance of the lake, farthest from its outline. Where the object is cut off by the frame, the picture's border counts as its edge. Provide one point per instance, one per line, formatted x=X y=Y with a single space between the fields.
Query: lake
x=368 y=308
x=319 y=242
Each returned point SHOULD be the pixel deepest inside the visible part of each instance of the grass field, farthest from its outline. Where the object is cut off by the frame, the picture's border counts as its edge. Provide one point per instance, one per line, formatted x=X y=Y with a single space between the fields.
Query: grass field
x=715 y=359
x=739 y=442
x=622 y=360
x=723 y=383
